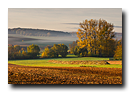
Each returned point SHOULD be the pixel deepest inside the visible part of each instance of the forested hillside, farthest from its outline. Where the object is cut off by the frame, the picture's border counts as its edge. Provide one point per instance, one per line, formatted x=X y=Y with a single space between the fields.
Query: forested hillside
x=37 y=32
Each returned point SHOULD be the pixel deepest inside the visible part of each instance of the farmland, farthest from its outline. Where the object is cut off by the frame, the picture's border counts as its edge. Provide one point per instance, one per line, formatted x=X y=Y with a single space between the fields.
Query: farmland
x=52 y=48
x=63 y=75
x=41 y=71
x=44 y=62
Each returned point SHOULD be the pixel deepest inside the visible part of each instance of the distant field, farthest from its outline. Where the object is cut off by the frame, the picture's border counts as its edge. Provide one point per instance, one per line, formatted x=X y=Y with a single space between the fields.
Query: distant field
x=44 y=62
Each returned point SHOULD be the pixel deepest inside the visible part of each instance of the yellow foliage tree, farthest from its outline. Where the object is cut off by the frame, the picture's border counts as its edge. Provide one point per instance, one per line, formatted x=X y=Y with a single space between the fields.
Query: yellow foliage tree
x=118 y=52
x=95 y=35
x=45 y=53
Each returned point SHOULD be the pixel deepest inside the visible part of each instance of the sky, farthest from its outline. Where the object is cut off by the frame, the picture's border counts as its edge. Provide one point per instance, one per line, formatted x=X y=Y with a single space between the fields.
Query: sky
x=62 y=19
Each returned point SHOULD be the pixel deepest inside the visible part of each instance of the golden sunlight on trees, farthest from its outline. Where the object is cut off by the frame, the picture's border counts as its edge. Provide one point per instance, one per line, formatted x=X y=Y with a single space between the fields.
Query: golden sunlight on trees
x=46 y=53
x=118 y=52
x=72 y=46
x=34 y=50
x=57 y=49
x=97 y=37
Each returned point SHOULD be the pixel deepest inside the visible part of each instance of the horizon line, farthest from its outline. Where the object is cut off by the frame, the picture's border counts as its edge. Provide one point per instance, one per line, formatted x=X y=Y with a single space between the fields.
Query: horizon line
x=48 y=29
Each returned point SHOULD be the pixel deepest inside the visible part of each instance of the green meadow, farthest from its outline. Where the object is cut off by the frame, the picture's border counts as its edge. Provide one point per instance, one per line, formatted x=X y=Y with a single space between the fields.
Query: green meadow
x=44 y=62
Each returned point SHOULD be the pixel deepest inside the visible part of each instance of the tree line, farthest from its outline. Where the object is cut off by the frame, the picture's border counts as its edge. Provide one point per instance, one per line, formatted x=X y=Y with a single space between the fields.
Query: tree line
x=32 y=52
x=14 y=52
x=54 y=51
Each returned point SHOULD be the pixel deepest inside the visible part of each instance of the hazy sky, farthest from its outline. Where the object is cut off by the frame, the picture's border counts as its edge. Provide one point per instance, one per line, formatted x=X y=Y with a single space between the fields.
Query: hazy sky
x=61 y=19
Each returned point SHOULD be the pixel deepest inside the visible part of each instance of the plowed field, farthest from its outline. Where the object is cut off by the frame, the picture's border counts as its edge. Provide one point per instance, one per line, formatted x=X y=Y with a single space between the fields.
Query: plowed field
x=115 y=62
x=63 y=75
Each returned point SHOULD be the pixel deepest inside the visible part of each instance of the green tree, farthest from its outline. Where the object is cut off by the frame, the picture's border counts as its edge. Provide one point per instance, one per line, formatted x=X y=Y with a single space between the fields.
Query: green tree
x=33 y=50
x=55 y=50
x=53 y=53
x=63 y=50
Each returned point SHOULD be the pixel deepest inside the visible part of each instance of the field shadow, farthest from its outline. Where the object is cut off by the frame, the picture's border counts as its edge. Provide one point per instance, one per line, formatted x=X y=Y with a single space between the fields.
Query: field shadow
x=42 y=58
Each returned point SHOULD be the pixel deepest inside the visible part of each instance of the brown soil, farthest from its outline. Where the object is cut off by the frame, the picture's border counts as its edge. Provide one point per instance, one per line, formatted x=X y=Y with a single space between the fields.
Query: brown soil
x=93 y=70
x=80 y=62
x=18 y=74
x=115 y=62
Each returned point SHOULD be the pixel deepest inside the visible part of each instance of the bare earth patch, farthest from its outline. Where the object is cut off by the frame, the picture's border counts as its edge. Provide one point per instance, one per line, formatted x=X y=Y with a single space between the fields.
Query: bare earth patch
x=115 y=62
x=63 y=75
x=80 y=62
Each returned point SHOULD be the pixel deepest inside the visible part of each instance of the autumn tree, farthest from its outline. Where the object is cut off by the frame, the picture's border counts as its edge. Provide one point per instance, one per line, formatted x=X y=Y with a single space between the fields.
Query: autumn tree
x=118 y=51
x=80 y=52
x=12 y=53
x=53 y=53
x=77 y=50
x=19 y=55
x=84 y=52
x=96 y=36
x=33 y=50
x=58 y=49
x=72 y=46
x=24 y=54
x=17 y=47
x=55 y=50
x=45 y=53
x=63 y=50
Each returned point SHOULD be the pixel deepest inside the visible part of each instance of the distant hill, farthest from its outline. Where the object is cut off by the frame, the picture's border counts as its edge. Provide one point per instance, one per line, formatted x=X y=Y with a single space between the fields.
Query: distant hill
x=48 y=33
x=37 y=32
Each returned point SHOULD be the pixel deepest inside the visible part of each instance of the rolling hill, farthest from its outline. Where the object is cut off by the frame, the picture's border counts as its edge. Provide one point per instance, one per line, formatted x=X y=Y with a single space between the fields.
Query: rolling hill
x=37 y=32
x=42 y=37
